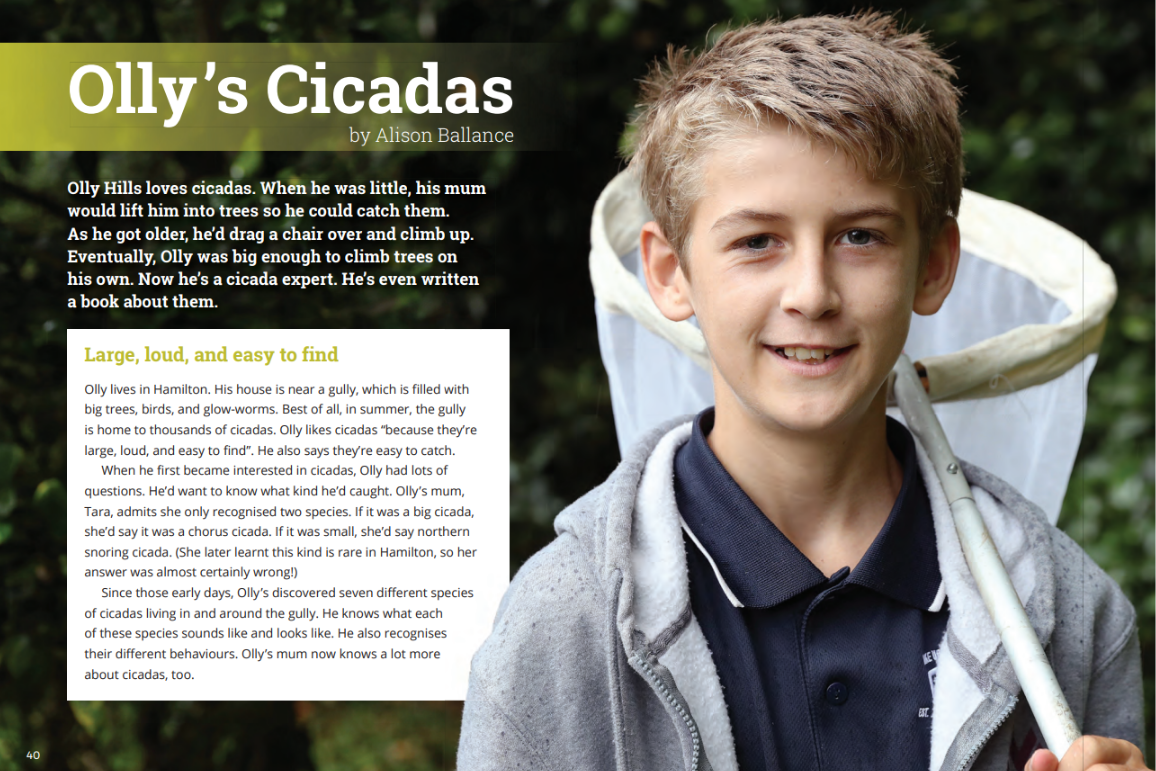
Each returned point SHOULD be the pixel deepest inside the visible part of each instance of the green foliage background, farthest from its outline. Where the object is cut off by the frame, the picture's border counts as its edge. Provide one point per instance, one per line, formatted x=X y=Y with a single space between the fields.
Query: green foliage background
x=1058 y=111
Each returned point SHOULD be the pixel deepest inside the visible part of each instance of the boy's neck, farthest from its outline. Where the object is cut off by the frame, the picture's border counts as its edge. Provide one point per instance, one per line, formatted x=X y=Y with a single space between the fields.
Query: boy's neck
x=829 y=494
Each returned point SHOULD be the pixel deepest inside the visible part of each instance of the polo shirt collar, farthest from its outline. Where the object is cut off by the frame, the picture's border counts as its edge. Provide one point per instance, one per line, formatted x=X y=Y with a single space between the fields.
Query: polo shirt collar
x=759 y=567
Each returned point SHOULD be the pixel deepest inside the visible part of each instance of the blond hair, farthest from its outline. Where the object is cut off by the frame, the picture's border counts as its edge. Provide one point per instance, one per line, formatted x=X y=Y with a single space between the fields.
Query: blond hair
x=860 y=84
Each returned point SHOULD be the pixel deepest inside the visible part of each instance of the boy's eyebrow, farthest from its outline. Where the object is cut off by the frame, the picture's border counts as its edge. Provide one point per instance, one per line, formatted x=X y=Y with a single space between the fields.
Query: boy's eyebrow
x=872 y=211
x=755 y=215
x=747 y=215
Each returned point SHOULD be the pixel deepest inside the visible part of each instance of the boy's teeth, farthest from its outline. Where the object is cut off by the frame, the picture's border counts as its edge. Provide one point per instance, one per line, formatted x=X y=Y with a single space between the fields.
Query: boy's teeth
x=807 y=354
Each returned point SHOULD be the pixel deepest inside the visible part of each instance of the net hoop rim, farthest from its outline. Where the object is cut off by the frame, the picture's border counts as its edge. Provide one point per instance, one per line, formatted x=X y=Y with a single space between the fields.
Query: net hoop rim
x=1057 y=261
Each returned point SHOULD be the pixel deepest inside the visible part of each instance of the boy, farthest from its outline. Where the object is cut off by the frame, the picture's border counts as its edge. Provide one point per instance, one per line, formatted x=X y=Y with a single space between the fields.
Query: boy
x=777 y=584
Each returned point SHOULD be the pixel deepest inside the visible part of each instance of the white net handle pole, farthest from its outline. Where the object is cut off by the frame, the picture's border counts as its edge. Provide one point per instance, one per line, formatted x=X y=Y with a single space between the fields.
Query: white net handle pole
x=1036 y=677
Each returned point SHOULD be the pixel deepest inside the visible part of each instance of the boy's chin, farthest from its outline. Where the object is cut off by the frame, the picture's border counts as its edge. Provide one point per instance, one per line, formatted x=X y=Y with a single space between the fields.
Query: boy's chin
x=814 y=419
x=806 y=424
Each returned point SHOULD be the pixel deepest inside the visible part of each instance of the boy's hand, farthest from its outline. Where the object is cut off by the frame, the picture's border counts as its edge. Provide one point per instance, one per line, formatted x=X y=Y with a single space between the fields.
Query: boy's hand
x=1090 y=753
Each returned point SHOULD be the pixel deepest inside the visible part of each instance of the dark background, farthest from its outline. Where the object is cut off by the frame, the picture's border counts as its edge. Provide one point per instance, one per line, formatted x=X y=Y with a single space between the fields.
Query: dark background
x=1058 y=116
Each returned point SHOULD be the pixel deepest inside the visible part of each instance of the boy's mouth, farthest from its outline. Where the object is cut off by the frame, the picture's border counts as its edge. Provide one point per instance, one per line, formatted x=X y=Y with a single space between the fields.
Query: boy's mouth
x=807 y=355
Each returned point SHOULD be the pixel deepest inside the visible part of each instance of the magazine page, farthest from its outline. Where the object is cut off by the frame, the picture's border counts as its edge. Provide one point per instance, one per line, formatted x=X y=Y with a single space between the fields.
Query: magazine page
x=316 y=317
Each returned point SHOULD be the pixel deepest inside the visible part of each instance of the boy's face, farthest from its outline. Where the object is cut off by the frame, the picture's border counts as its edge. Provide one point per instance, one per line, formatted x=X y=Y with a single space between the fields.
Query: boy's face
x=803 y=274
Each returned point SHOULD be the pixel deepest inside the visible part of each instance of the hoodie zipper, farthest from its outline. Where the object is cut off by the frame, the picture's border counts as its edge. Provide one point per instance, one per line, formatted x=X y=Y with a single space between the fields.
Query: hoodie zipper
x=676 y=703
x=990 y=732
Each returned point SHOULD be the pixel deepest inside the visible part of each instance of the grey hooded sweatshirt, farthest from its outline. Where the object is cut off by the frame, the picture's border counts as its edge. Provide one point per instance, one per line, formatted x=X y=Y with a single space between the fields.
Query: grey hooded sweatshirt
x=597 y=662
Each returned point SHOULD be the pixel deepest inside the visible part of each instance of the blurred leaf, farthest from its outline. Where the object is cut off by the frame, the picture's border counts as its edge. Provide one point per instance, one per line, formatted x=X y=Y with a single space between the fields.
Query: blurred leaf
x=18 y=654
x=10 y=456
x=1137 y=328
x=49 y=496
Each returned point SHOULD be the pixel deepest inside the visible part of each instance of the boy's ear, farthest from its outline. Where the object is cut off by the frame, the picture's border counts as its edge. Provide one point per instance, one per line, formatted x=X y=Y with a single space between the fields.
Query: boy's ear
x=665 y=277
x=937 y=275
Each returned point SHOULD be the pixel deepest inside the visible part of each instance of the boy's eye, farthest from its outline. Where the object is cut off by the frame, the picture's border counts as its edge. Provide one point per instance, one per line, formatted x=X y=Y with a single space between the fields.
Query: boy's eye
x=757 y=242
x=859 y=237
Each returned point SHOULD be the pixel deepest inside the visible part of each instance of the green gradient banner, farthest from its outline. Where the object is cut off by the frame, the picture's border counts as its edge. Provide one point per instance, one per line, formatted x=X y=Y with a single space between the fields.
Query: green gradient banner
x=201 y=96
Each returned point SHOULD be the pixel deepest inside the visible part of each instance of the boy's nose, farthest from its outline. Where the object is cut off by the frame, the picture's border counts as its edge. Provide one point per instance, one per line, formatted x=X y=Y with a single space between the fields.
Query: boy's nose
x=809 y=290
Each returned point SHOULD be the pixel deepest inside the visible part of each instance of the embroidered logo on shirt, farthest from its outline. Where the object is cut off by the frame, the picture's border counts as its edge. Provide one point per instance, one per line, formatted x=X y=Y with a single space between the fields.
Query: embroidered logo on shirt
x=931 y=662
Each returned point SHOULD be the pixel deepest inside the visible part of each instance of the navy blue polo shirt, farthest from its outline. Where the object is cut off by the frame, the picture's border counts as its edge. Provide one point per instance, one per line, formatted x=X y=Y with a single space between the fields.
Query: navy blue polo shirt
x=818 y=672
